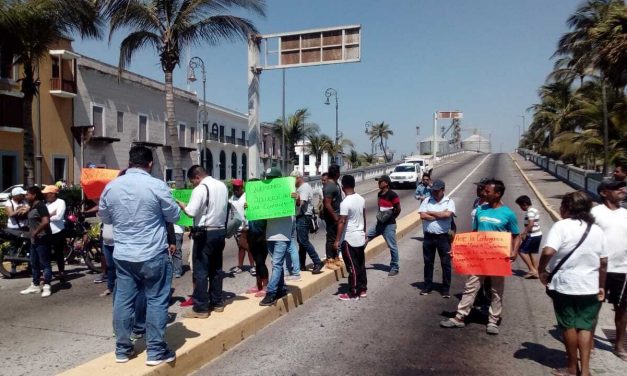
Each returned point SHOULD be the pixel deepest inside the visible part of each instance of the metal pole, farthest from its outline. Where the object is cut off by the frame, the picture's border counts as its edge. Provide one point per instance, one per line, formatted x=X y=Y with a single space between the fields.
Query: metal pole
x=434 y=148
x=253 y=106
x=606 y=154
x=283 y=150
x=337 y=131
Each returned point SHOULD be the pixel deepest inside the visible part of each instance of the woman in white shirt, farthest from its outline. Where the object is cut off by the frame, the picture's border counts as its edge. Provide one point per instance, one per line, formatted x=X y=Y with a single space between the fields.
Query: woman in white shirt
x=56 y=208
x=16 y=209
x=577 y=286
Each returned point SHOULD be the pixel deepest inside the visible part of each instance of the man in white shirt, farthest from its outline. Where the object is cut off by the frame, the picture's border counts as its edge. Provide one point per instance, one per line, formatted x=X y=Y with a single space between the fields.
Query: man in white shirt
x=16 y=209
x=238 y=200
x=352 y=225
x=304 y=216
x=437 y=212
x=612 y=218
x=208 y=207
x=56 y=208
x=531 y=236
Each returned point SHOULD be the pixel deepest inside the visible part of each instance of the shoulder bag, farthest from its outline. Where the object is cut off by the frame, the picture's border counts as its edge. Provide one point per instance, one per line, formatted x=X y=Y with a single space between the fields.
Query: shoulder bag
x=551 y=293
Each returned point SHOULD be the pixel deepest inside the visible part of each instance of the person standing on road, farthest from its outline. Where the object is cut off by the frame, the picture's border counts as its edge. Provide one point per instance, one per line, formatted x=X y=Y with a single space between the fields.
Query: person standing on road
x=352 y=228
x=612 y=218
x=531 y=236
x=208 y=207
x=56 y=209
x=280 y=235
x=16 y=209
x=39 y=225
x=304 y=216
x=138 y=206
x=332 y=197
x=620 y=174
x=241 y=238
x=389 y=209
x=423 y=190
x=437 y=213
x=493 y=216
x=258 y=246
x=576 y=253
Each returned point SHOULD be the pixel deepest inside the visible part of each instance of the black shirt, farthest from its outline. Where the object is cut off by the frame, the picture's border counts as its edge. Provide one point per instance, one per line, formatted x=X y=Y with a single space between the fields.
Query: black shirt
x=35 y=214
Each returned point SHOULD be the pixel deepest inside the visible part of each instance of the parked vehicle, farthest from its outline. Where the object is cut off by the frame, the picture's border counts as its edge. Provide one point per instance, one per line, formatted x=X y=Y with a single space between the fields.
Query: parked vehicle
x=14 y=252
x=82 y=245
x=406 y=174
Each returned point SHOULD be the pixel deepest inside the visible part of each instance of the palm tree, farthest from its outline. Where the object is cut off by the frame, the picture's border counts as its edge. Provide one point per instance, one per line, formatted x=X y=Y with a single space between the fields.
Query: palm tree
x=368 y=158
x=170 y=26
x=337 y=148
x=28 y=30
x=381 y=131
x=296 y=130
x=316 y=146
x=354 y=158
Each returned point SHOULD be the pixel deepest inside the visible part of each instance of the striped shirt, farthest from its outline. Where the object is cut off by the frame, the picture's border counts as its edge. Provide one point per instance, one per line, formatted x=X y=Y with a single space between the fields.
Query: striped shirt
x=532 y=214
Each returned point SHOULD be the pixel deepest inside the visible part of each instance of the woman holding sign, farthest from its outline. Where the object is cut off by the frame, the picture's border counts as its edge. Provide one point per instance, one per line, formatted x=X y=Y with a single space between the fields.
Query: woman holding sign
x=577 y=258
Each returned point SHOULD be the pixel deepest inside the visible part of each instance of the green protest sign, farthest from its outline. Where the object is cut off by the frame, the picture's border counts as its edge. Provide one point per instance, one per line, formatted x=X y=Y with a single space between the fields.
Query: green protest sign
x=183 y=195
x=270 y=198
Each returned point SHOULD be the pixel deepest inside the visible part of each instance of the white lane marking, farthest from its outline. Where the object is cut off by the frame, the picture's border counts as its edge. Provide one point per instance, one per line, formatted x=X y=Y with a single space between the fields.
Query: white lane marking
x=469 y=175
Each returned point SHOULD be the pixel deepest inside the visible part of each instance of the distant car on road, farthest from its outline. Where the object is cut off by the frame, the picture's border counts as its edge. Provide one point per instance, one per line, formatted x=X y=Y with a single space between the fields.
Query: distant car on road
x=6 y=194
x=406 y=174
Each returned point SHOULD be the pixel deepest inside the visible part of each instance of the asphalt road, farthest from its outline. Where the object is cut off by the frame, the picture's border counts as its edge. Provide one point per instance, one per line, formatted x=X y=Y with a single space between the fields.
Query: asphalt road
x=45 y=336
x=395 y=331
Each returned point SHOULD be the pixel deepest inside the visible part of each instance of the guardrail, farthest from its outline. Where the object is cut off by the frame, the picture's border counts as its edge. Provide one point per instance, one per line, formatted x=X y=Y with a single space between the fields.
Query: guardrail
x=586 y=180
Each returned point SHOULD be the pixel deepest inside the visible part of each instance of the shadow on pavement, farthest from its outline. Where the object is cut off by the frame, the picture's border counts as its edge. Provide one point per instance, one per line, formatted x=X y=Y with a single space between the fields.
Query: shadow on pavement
x=541 y=354
x=380 y=267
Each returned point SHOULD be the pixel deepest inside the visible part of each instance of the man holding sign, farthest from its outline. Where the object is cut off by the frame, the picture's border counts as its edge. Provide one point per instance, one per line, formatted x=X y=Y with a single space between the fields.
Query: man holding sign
x=492 y=216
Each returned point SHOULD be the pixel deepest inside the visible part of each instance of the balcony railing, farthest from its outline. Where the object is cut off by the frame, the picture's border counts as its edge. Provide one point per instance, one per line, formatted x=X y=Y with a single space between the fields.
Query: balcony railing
x=63 y=85
x=230 y=140
x=242 y=142
x=213 y=137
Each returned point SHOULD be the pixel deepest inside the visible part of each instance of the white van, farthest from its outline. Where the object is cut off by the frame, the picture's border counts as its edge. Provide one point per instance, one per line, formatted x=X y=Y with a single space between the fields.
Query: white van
x=406 y=174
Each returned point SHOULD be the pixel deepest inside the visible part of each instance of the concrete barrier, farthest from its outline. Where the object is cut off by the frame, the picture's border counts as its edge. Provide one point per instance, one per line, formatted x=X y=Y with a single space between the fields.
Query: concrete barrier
x=198 y=341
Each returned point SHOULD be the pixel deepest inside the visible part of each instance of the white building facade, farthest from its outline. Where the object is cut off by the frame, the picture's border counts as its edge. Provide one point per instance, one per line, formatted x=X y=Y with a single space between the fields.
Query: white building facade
x=306 y=163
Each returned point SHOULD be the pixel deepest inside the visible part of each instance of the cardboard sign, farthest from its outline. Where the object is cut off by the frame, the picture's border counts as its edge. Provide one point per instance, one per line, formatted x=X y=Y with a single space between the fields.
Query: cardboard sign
x=94 y=180
x=270 y=198
x=482 y=253
x=183 y=195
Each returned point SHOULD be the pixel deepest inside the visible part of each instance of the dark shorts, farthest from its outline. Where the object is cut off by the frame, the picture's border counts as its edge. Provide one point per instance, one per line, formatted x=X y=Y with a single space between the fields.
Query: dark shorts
x=576 y=311
x=616 y=288
x=531 y=245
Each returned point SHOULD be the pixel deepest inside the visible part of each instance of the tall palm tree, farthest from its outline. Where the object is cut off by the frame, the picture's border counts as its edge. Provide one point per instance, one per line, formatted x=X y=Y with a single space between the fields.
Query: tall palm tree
x=316 y=146
x=170 y=26
x=354 y=158
x=337 y=148
x=28 y=30
x=381 y=132
x=368 y=158
x=297 y=129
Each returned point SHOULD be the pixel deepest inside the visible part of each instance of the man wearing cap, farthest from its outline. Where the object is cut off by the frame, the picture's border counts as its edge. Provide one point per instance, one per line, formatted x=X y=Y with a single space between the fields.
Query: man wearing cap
x=279 y=235
x=304 y=216
x=241 y=237
x=16 y=209
x=56 y=208
x=389 y=210
x=437 y=213
x=612 y=218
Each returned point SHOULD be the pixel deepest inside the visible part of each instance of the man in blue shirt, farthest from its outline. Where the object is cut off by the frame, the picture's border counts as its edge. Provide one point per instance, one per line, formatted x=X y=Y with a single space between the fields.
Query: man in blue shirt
x=437 y=214
x=491 y=216
x=138 y=206
x=423 y=190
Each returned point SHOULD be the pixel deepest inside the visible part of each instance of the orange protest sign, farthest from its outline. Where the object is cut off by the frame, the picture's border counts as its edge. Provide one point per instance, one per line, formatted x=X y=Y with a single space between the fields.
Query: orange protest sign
x=94 y=180
x=482 y=253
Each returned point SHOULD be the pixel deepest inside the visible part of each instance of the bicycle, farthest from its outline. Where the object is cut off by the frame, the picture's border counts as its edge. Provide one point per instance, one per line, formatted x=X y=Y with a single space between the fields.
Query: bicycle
x=82 y=245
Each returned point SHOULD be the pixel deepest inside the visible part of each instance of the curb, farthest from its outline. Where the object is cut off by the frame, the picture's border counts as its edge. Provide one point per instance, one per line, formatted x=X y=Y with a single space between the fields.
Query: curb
x=198 y=341
x=554 y=215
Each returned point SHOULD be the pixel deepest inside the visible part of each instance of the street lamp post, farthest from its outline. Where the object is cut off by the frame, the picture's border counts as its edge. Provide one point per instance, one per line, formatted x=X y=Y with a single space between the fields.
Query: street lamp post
x=519 y=134
x=196 y=62
x=330 y=92
x=523 y=124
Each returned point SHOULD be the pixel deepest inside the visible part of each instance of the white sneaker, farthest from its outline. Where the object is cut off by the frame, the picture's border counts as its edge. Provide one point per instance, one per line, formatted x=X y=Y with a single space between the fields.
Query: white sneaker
x=32 y=289
x=46 y=292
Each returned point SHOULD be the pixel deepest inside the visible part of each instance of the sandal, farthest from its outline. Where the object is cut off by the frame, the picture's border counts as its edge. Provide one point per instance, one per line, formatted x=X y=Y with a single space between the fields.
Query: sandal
x=530 y=276
x=622 y=355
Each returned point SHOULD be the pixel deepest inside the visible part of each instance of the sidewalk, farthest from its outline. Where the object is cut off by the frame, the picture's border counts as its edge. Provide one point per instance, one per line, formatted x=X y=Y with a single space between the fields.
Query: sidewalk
x=550 y=191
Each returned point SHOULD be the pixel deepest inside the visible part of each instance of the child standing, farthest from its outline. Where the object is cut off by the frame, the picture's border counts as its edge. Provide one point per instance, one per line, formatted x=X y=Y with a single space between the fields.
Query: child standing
x=352 y=224
x=531 y=236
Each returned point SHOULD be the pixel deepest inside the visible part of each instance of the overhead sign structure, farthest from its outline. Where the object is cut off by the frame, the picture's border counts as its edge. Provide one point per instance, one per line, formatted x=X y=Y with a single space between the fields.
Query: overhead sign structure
x=442 y=115
x=333 y=45
x=449 y=115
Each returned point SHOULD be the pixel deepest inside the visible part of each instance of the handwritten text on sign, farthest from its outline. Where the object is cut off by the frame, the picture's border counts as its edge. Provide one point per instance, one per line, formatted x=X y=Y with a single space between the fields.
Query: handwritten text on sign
x=183 y=195
x=270 y=198
x=482 y=253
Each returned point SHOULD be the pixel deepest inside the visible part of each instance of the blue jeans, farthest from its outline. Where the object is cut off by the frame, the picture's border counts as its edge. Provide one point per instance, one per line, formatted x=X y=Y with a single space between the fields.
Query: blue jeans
x=207 y=263
x=177 y=257
x=154 y=278
x=292 y=262
x=108 y=254
x=40 y=260
x=306 y=248
x=389 y=234
x=278 y=251
x=139 y=322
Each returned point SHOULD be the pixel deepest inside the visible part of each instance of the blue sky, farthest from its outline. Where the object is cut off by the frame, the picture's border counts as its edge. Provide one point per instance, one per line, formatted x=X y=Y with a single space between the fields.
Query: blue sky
x=486 y=58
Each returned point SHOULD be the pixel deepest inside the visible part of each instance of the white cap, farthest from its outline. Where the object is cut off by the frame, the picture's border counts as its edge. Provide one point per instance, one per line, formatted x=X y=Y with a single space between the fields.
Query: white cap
x=18 y=191
x=296 y=174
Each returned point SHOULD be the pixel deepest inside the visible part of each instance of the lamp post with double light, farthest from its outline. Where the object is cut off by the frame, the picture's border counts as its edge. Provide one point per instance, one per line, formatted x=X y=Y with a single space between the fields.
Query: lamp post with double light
x=195 y=63
x=331 y=92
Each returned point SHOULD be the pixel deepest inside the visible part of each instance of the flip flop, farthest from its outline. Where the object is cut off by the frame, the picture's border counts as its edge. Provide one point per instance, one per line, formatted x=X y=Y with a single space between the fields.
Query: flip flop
x=562 y=372
x=530 y=276
x=622 y=355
